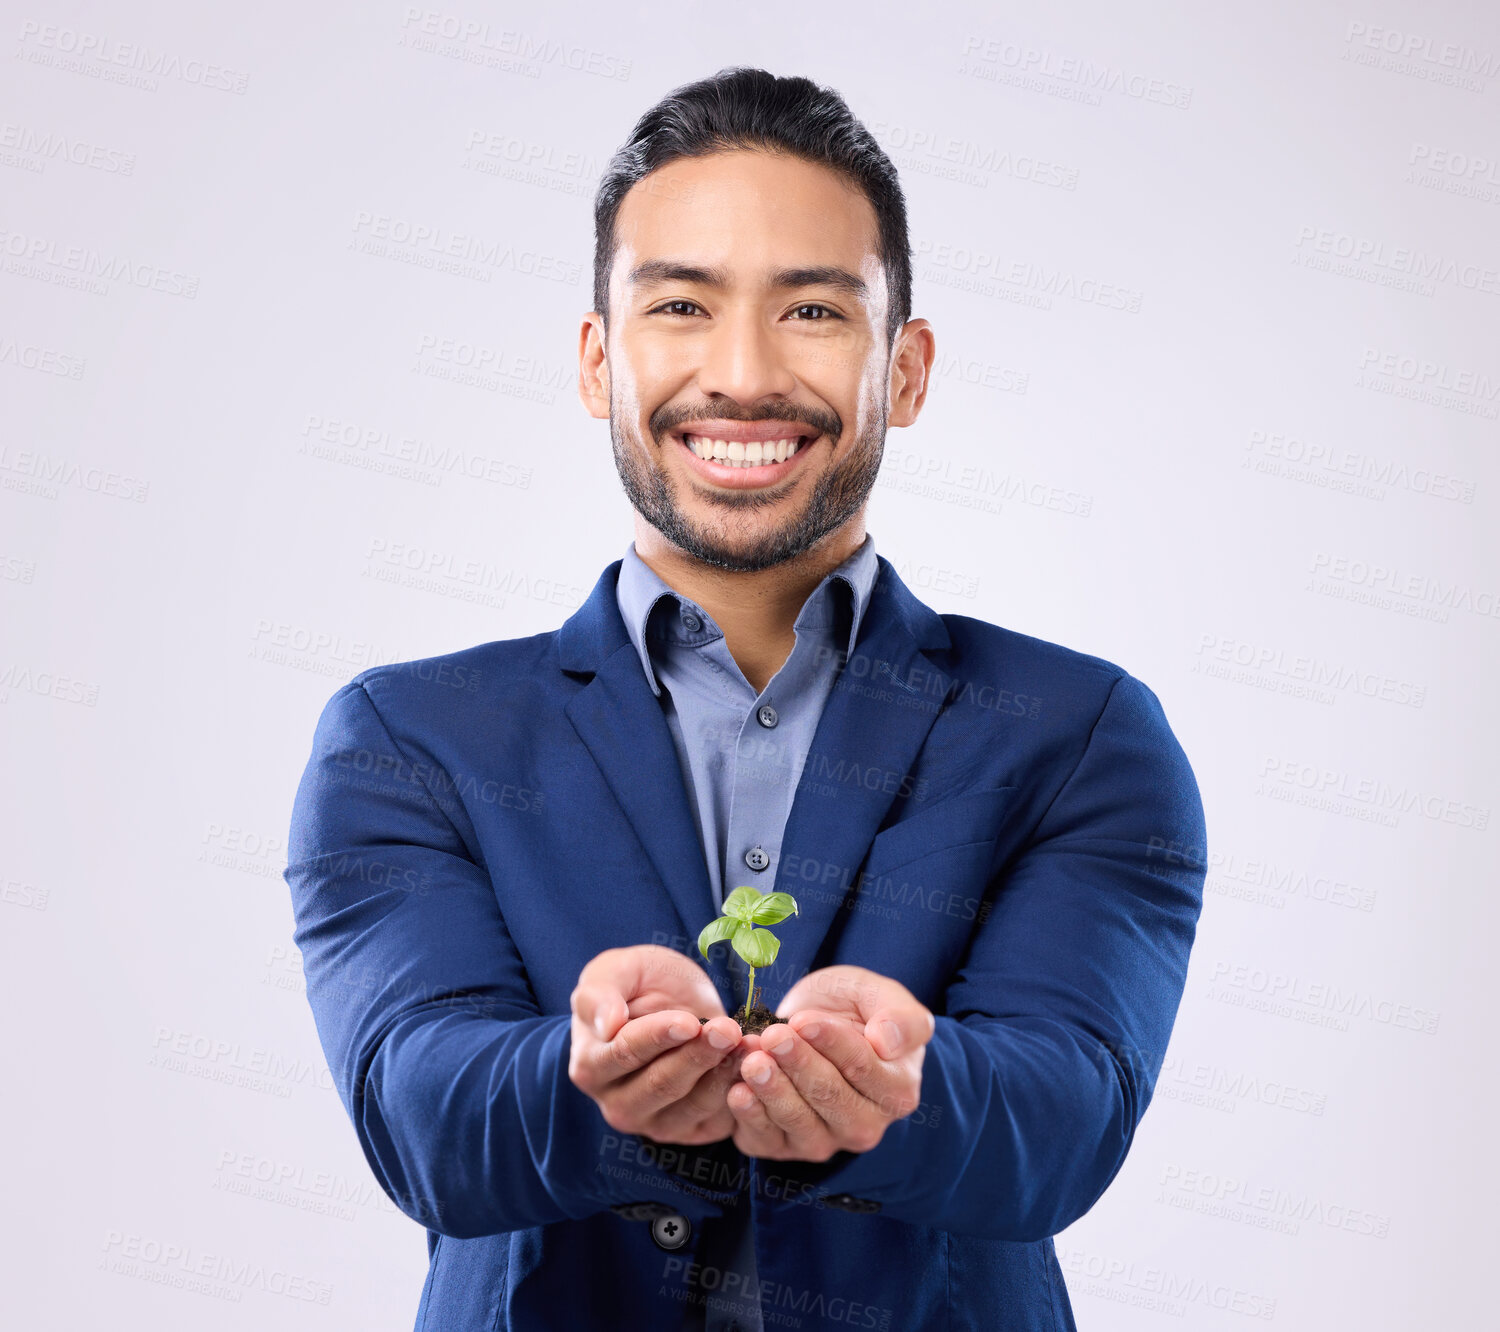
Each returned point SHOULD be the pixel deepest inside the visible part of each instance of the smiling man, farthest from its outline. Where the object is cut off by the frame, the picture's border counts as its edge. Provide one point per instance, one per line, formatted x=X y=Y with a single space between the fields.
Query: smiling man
x=500 y=859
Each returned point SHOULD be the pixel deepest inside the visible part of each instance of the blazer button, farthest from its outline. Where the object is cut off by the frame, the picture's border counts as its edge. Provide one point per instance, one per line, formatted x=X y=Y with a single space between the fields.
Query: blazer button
x=846 y=1202
x=671 y=1232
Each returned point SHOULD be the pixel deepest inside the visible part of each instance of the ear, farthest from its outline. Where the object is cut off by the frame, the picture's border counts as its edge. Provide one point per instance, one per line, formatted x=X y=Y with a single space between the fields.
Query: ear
x=593 y=367
x=911 y=371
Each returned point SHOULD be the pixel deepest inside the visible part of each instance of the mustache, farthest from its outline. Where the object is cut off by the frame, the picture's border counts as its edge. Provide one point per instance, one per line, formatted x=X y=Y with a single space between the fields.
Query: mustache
x=665 y=423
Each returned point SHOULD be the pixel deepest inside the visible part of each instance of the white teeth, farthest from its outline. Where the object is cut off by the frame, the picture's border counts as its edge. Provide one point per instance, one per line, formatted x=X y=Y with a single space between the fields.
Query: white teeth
x=736 y=453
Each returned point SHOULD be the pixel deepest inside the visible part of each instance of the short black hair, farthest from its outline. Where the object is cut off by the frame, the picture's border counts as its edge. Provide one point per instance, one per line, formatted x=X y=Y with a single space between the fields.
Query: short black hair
x=740 y=107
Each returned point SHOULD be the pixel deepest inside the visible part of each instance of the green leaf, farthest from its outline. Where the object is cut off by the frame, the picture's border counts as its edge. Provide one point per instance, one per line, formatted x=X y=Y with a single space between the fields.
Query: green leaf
x=773 y=909
x=757 y=947
x=740 y=903
x=716 y=931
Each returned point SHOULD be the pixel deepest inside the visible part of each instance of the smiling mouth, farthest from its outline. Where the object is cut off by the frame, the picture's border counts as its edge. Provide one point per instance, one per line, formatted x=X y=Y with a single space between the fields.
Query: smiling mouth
x=739 y=454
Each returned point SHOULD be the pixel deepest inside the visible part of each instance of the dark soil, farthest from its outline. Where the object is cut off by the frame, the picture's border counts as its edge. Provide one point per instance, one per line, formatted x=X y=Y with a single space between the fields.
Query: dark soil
x=758 y=1019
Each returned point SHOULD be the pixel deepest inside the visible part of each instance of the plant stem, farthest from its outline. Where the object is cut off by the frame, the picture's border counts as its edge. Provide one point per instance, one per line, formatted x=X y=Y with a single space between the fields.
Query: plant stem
x=750 y=998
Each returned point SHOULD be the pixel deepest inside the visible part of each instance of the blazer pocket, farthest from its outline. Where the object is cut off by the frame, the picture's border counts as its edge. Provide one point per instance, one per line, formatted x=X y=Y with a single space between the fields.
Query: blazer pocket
x=960 y=820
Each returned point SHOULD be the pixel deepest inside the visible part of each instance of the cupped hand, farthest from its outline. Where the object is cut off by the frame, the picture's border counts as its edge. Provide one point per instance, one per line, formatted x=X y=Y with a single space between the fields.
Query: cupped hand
x=837 y=1073
x=639 y=1050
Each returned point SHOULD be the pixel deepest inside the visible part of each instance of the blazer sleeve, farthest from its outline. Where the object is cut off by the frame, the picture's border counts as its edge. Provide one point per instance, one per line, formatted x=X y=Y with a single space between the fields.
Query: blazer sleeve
x=1057 y=1020
x=456 y=1084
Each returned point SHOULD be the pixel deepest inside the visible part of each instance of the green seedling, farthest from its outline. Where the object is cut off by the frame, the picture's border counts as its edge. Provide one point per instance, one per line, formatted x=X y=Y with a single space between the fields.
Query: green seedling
x=746 y=909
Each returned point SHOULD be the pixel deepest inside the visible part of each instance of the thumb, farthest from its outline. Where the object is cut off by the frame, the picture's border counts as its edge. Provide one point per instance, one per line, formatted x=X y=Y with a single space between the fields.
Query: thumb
x=899 y=1029
x=609 y=1017
x=601 y=1008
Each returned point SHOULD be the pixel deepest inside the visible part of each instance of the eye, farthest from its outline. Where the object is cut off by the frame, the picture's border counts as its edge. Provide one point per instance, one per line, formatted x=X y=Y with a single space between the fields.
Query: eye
x=666 y=307
x=832 y=314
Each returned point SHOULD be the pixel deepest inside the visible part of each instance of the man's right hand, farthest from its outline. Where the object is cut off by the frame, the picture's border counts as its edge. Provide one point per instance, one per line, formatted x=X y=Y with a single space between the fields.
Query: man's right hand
x=640 y=1052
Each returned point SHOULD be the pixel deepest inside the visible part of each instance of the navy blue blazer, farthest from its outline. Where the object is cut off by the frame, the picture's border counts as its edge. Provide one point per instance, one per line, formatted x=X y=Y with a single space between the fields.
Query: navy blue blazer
x=1007 y=827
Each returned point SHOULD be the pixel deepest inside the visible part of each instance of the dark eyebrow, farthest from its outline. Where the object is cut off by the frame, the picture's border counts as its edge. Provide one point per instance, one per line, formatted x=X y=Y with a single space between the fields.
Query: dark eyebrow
x=654 y=272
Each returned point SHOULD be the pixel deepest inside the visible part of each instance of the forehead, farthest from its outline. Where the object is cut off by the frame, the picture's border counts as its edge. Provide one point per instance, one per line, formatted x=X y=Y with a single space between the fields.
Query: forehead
x=749 y=213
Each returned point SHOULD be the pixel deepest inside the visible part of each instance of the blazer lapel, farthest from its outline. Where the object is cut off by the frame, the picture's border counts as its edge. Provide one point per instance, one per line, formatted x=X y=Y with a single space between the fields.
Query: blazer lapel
x=620 y=721
x=866 y=742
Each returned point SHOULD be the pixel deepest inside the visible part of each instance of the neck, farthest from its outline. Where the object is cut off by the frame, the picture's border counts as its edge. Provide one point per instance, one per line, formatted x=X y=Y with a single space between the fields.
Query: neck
x=756 y=610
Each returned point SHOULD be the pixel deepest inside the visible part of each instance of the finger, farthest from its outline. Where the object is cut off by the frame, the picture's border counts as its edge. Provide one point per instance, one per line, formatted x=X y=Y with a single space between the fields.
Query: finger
x=702 y=1115
x=869 y=998
x=754 y=1133
x=852 y=991
x=807 y=1133
x=851 y=1119
x=669 y=1081
x=603 y=1064
x=609 y=983
x=890 y=1088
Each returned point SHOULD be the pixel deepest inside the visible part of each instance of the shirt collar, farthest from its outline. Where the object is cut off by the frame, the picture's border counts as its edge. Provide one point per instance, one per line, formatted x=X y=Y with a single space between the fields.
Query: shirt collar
x=641 y=590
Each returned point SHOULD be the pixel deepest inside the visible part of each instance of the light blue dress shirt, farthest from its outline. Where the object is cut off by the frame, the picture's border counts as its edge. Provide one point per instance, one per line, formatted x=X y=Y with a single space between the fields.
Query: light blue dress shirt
x=742 y=756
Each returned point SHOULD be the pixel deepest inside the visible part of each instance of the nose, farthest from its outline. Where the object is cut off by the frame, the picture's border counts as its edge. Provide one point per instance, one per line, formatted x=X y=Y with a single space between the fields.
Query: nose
x=741 y=360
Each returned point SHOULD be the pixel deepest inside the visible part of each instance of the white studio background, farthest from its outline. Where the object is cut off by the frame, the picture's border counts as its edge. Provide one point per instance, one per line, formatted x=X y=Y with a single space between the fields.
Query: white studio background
x=1216 y=293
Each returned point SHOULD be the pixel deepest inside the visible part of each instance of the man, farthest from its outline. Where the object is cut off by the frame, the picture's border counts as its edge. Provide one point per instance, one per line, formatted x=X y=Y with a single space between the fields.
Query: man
x=501 y=859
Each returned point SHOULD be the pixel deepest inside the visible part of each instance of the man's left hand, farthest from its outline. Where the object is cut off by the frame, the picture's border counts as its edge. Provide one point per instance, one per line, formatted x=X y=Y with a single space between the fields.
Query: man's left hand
x=840 y=1070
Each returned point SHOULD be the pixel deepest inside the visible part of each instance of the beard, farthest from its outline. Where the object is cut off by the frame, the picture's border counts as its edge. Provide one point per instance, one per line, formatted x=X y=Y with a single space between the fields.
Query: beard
x=837 y=495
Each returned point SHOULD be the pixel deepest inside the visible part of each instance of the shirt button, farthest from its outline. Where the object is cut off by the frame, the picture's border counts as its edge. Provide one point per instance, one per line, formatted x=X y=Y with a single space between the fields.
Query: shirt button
x=767 y=715
x=691 y=622
x=756 y=858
